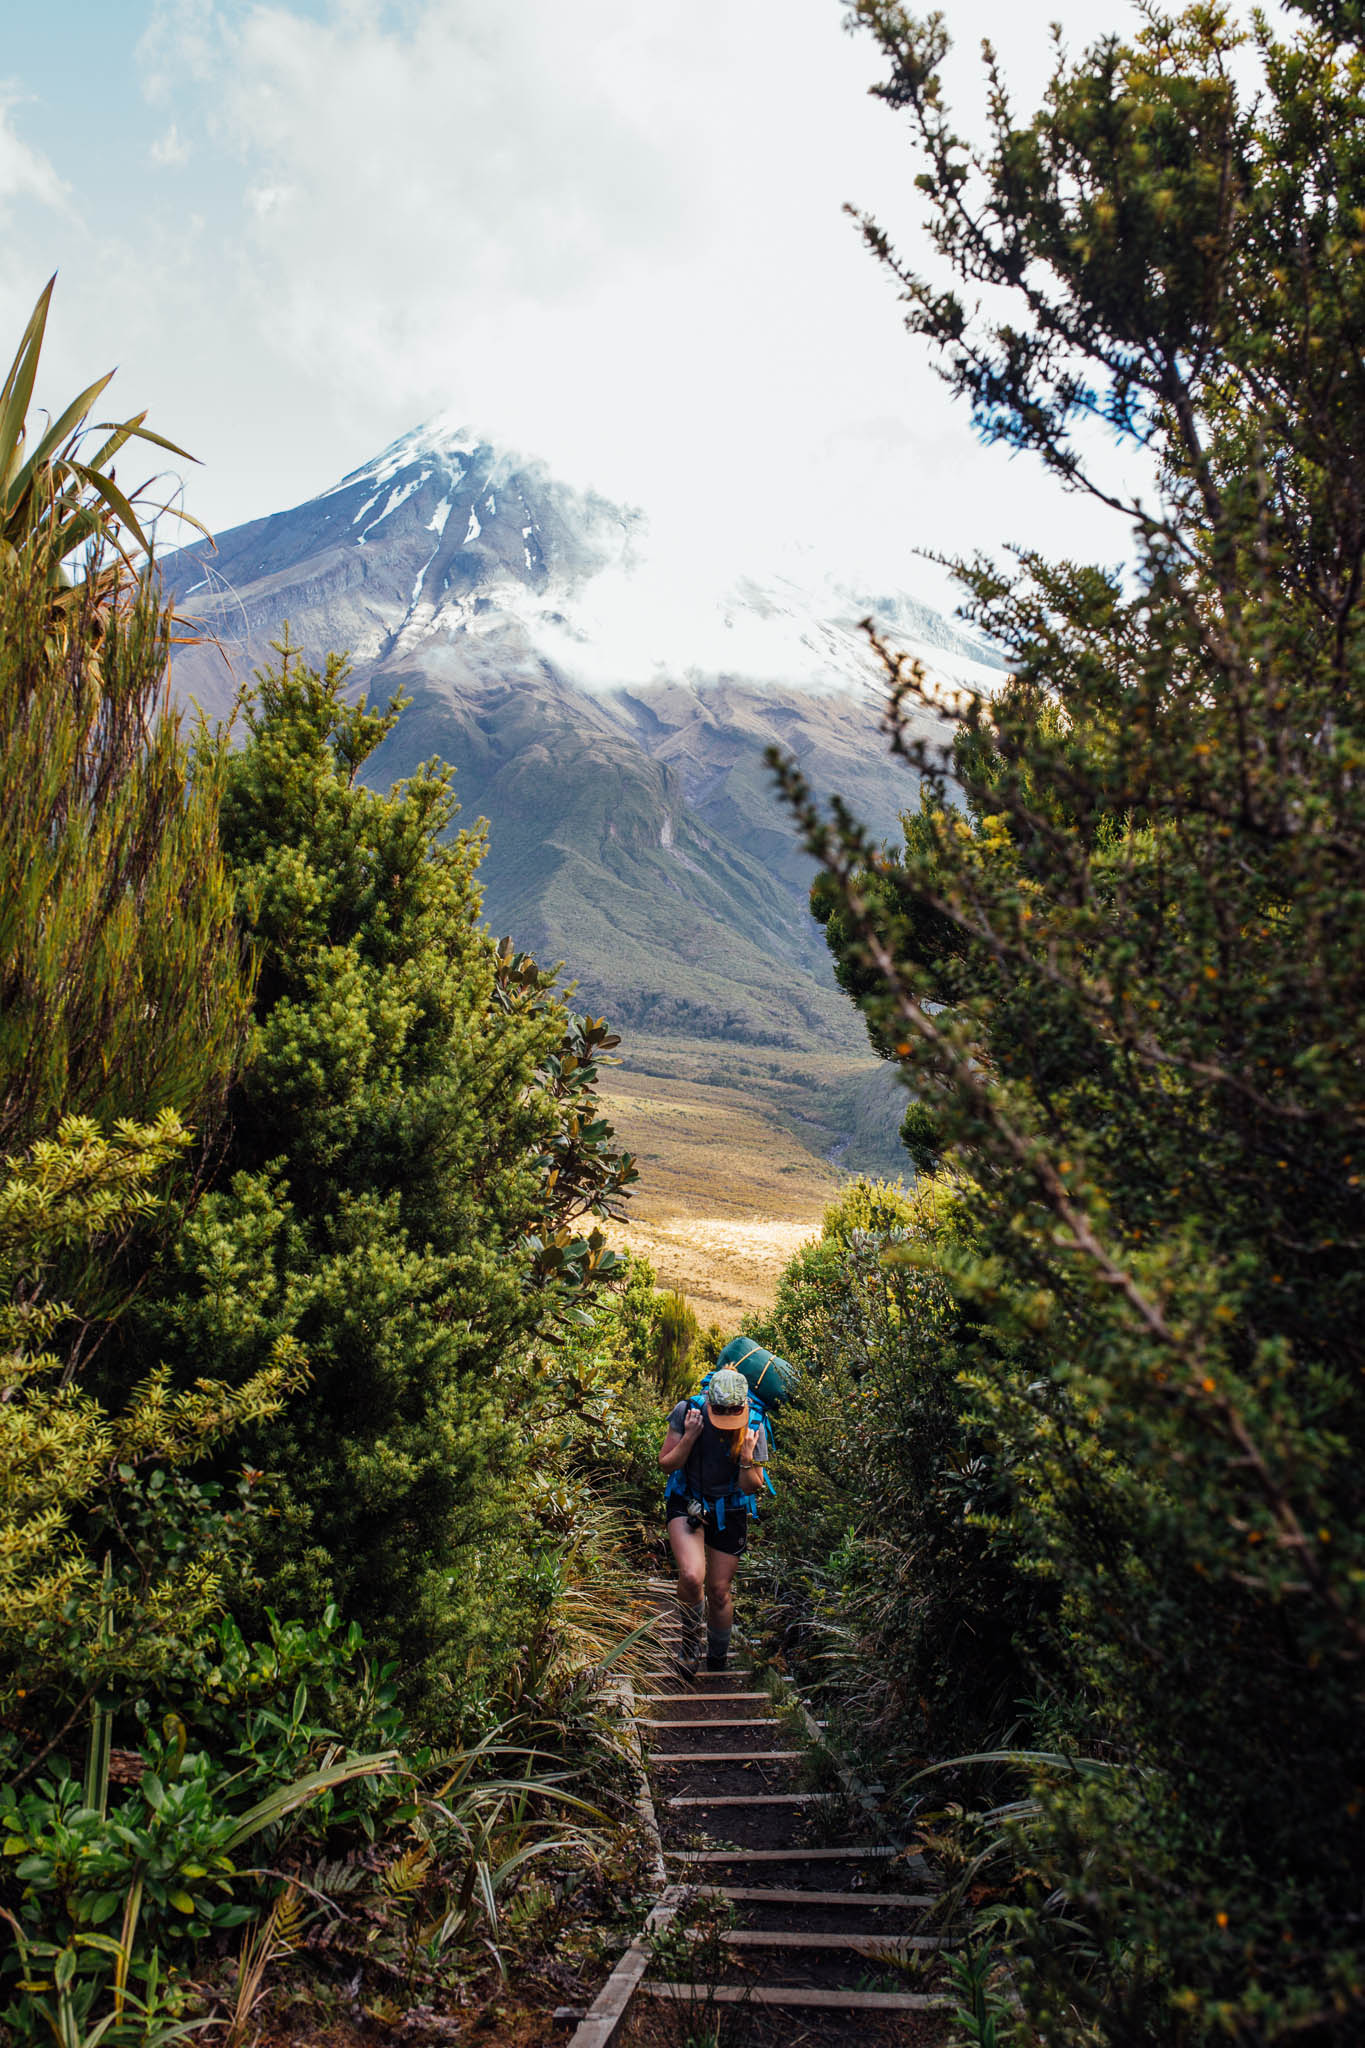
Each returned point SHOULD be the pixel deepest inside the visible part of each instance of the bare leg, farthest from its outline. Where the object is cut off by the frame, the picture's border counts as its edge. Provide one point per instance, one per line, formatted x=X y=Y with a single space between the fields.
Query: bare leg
x=720 y=1604
x=689 y=1552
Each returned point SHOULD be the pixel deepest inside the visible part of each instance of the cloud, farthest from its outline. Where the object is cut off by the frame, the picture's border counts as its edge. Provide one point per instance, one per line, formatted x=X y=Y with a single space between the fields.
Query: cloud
x=171 y=150
x=611 y=235
x=24 y=172
x=183 y=41
x=608 y=234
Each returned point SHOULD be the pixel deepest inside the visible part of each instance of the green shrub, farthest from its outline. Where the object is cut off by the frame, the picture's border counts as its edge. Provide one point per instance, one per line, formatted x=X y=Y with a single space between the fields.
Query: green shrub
x=1118 y=958
x=894 y=1592
x=112 y=1553
x=414 y=1163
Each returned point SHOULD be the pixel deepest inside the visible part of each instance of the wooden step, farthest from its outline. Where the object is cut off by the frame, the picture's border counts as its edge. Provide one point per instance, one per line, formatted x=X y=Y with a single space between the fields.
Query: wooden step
x=726 y=1756
x=705 y=1684
x=858 y=1853
x=853 y=1944
x=794 y=1994
x=753 y=1799
x=777 y=1895
x=715 y=1721
x=731 y=1699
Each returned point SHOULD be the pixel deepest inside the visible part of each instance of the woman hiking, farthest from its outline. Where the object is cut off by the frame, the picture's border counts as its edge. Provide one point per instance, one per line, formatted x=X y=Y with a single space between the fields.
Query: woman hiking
x=713 y=1458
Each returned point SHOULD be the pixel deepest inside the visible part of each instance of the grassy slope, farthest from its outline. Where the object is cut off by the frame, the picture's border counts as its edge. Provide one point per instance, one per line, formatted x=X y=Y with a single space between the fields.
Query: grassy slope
x=694 y=937
x=746 y=1086
x=734 y=1146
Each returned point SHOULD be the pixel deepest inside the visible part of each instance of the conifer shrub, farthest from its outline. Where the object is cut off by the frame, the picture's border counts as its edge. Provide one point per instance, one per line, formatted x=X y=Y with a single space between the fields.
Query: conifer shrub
x=408 y=1190
x=112 y=1557
x=1118 y=959
x=893 y=1584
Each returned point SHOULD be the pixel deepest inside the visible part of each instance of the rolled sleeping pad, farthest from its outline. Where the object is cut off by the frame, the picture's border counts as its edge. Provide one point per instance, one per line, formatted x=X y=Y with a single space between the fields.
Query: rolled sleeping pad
x=769 y=1376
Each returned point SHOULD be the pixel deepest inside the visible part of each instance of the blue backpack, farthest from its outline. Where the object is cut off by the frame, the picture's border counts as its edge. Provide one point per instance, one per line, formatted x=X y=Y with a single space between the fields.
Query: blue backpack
x=677 y=1487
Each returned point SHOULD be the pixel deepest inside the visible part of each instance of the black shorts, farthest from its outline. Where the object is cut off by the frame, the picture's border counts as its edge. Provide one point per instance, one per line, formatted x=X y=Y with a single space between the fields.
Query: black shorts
x=729 y=1541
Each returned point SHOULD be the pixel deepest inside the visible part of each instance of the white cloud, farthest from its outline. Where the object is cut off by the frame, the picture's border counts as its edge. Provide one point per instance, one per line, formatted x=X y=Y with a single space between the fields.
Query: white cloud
x=24 y=172
x=607 y=234
x=182 y=40
x=267 y=199
x=170 y=151
x=26 y=175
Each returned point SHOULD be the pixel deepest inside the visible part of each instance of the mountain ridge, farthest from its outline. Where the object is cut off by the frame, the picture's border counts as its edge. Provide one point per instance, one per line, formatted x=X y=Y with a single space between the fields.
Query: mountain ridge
x=634 y=831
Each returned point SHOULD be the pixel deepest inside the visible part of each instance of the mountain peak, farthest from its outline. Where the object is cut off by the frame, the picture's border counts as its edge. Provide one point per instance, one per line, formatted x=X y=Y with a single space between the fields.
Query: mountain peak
x=441 y=443
x=606 y=707
x=449 y=551
x=439 y=534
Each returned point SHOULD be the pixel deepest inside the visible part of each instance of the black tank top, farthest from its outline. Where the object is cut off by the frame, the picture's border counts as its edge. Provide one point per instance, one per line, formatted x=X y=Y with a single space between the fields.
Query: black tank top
x=712 y=1472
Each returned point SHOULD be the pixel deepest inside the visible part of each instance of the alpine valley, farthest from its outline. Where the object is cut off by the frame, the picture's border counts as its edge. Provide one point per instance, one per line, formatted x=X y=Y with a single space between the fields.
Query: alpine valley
x=616 y=753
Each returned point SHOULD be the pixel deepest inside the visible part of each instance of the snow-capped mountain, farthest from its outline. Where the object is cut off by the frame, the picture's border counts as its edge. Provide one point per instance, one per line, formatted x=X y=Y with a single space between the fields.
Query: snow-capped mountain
x=603 y=708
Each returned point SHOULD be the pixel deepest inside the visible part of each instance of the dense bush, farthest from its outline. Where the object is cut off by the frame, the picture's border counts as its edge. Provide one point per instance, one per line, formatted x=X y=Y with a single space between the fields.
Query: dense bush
x=363 y=1269
x=411 y=1147
x=1118 y=958
x=113 y=1555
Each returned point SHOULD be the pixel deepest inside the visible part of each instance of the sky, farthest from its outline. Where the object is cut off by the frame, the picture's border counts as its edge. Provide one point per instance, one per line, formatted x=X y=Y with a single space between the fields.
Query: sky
x=607 y=233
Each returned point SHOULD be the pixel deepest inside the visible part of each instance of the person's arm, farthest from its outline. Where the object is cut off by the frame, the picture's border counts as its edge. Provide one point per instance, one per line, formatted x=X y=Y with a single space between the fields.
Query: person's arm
x=752 y=1458
x=677 y=1448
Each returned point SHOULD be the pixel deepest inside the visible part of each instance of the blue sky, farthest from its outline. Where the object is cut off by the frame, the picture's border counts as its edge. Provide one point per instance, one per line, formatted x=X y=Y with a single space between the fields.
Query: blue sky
x=609 y=233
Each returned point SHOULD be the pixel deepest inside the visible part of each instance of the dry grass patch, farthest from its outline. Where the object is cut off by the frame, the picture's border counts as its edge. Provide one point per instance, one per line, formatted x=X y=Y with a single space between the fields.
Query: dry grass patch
x=728 y=1190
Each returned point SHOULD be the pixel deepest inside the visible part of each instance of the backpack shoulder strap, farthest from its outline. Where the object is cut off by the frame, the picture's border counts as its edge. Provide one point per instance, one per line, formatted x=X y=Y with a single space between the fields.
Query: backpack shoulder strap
x=759 y=1419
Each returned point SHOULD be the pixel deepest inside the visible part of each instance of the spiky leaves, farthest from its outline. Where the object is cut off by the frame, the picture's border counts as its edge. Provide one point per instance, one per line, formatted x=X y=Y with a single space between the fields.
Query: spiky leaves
x=122 y=985
x=59 y=503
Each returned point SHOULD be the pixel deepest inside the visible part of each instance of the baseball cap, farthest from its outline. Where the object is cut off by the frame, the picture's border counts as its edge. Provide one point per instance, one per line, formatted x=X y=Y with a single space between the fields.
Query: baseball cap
x=727 y=1396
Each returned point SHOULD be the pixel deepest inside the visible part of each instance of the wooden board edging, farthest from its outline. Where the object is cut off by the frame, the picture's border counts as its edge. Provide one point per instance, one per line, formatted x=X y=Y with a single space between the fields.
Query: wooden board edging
x=795 y=1994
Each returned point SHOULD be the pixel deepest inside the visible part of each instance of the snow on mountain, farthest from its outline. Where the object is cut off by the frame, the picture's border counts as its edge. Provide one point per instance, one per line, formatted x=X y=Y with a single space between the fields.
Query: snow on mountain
x=605 y=701
x=442 y=540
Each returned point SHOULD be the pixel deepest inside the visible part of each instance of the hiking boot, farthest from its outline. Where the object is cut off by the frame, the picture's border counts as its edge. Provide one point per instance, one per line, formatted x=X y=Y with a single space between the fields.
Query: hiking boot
x=716 y=1660
x=687 y=1657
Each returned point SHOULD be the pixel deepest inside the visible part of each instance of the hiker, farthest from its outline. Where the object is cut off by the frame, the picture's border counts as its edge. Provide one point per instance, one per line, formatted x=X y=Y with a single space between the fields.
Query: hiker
x=714 y=1457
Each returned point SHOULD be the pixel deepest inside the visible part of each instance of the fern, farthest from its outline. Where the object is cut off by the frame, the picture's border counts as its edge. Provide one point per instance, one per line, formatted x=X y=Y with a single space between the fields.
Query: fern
x=408 y=1872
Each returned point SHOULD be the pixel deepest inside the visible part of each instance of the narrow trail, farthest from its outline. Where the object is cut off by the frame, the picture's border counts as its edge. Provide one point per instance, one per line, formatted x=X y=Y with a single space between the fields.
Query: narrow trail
x=782 y=1917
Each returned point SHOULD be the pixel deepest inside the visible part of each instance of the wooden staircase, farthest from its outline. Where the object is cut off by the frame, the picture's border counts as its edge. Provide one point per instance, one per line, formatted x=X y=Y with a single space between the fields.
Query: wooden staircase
x=784 y=1918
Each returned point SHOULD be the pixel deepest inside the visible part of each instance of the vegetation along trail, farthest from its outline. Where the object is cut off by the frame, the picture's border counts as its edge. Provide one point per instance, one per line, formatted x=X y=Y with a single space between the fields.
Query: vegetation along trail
x=334 y=1374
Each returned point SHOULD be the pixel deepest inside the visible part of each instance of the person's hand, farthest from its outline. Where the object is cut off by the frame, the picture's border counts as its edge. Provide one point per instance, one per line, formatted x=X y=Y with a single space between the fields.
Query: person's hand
x=749 y=1447
x=691 y=1424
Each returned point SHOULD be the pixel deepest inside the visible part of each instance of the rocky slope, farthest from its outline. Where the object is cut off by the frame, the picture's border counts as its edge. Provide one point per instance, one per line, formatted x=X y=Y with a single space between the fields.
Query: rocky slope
x=616 y=754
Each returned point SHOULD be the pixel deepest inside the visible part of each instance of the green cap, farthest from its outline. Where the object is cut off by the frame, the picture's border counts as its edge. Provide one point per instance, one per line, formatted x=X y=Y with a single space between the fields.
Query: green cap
x=728 y=1392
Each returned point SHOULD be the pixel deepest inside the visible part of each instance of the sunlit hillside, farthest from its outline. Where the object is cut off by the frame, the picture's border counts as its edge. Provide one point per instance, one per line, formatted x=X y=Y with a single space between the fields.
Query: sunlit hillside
x=740 y=1149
